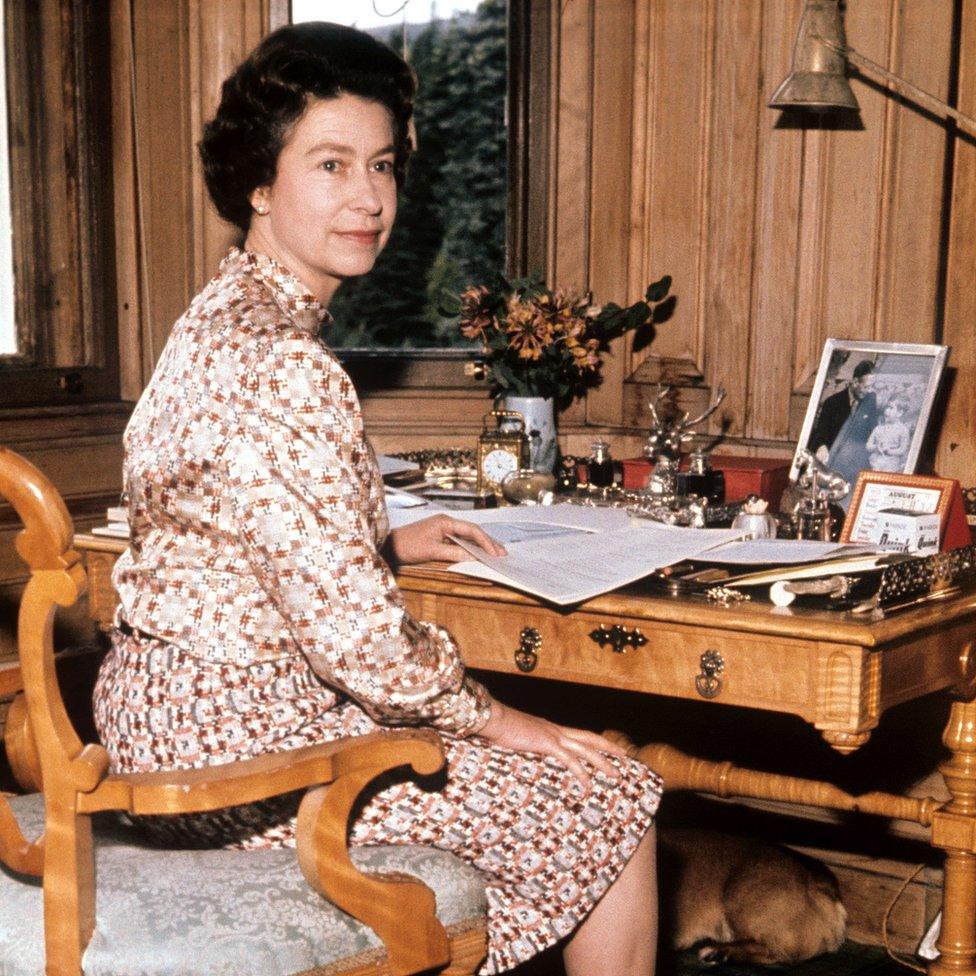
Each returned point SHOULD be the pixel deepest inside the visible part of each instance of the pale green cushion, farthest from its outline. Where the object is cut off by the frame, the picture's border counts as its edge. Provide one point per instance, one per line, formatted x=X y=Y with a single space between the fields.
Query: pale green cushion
x=217 y=912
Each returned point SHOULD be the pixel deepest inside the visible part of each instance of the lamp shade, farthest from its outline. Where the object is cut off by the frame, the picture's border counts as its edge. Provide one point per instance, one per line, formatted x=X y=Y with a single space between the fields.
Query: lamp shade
x=818 y=78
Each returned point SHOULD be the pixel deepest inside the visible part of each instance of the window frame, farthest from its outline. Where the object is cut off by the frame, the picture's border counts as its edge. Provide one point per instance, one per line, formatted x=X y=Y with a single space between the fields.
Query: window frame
x=383 y=372
x=59 y=57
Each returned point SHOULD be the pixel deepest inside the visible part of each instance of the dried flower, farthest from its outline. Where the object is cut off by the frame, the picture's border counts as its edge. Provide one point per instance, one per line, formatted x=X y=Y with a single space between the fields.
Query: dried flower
x=477 y=314
x=528 y=326
x=546 y=342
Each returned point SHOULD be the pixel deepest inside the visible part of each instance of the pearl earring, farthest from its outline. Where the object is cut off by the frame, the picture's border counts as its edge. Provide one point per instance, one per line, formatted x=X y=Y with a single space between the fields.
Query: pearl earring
x=262 y=210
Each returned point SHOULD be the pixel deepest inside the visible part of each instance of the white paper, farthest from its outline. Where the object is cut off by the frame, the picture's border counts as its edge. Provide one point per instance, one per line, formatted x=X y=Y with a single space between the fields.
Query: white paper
x=765 y=552
x=511 y=532
x=399 y=517
x=392 y=465
x=829 y=567
x=396 y=498
x=590 y=519
x=926 y=948
x=569 y=569
x=574 y=516
x=115 y=530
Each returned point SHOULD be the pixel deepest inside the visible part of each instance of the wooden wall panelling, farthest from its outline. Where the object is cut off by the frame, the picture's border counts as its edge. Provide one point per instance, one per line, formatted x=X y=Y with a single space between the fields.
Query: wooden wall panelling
x=913 y=186
x=570 y=114
x=129 y=298
x=680 y=45
x=221 y=36
x=181 y=52
x=164 y=146
x=778 y=175
x=570 y=214
x=810 y=264
x=855 y=193
x=730 y=205
x=956 y=453
x=609 y=231
x=642 y=89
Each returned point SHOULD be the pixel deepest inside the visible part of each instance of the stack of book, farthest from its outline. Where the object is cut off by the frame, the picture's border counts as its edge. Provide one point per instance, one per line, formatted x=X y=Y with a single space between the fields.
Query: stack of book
x=118 y=523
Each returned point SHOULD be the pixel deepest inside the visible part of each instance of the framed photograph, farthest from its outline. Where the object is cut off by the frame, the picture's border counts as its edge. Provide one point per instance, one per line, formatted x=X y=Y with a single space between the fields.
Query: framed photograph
x=877 y=491
x=870 y=406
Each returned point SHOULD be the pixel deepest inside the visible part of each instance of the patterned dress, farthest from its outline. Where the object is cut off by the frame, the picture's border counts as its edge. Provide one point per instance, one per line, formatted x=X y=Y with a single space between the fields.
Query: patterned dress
x=258 y=614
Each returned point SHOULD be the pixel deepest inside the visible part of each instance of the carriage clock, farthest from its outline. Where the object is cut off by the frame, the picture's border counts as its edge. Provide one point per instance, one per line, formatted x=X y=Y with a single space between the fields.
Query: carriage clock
x=500 y=451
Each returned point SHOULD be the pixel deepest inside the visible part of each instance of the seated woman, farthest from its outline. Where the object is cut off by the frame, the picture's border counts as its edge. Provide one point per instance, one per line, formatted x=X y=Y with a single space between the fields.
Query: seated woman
x=259 y=612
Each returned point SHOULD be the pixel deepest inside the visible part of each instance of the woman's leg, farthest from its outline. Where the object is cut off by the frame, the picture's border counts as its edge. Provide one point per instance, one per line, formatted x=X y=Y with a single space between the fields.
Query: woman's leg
x=620 y=935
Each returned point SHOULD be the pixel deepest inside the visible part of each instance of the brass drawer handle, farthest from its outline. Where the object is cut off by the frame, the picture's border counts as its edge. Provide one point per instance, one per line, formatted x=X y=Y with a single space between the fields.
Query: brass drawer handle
x=527 y=653
x=707 y=682
x=619 y=638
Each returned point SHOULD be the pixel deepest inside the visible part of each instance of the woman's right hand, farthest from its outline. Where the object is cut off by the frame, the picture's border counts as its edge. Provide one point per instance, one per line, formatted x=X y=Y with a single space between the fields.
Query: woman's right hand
x=521 y=732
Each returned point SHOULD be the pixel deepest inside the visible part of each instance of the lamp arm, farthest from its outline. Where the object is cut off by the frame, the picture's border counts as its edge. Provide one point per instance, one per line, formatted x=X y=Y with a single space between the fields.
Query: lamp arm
x=923 y=97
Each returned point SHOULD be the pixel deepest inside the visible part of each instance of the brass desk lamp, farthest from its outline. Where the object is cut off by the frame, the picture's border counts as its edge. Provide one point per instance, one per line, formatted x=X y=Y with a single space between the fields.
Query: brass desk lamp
x=818 y=80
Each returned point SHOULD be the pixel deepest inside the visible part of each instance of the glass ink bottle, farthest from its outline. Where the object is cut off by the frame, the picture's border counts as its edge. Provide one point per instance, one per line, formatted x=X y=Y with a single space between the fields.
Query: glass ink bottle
x=702 y=479
x=599 y=466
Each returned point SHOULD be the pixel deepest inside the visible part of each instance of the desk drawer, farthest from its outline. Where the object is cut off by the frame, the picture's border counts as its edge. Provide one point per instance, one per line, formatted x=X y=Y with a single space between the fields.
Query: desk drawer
x=758 y=672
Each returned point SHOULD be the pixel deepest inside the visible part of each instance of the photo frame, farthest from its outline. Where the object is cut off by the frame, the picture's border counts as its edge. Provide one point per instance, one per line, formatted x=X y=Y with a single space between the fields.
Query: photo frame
x=870 y=407
x=878 y=490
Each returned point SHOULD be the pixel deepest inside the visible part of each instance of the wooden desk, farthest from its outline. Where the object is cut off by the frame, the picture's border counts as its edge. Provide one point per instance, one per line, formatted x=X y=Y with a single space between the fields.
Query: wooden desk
x=837 y=672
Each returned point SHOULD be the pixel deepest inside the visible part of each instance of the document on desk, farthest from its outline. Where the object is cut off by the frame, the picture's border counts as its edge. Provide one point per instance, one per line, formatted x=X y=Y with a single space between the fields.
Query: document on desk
x=571 y=568
x=770 y=552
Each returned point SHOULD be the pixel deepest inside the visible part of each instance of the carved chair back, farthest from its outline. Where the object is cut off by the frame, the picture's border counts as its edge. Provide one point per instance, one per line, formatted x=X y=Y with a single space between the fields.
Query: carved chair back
x=47 y=755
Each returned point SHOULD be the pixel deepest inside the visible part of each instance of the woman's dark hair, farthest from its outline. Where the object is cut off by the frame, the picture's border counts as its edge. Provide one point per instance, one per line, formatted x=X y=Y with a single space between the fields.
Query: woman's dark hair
x=268 y=92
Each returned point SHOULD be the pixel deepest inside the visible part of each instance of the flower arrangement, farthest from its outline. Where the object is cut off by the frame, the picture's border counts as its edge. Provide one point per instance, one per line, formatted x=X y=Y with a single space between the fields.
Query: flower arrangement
x=541 y=342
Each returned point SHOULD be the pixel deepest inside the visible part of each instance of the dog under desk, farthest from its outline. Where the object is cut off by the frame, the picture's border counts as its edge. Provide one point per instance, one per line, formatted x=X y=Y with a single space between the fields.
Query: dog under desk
x=837 y=672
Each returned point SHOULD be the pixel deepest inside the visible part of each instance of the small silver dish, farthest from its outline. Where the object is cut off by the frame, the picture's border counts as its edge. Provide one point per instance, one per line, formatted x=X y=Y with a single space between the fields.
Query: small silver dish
x=526 y=487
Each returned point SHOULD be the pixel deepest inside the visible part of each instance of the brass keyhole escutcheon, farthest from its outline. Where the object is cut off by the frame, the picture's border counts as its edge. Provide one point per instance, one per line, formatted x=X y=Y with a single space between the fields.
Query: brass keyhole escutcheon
x=527 y=653
x=619 y=638
x=707 y=682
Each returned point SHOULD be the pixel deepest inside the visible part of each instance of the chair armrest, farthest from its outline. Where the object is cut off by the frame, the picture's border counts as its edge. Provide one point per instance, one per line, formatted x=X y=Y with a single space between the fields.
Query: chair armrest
x=401 y=910
x=249 y=780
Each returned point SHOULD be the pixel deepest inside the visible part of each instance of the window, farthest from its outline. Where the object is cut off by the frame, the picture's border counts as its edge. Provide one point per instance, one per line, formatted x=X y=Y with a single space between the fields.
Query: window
x=59 y=344
x=8 y=324
x=451 y=226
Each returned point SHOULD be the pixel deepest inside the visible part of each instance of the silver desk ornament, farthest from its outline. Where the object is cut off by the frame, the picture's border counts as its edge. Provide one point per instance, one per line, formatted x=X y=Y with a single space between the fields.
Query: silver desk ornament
x=668 y=433
x=816 y=515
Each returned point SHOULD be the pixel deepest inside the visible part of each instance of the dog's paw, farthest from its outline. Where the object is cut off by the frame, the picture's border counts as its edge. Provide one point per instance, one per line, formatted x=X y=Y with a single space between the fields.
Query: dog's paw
x=711 y=954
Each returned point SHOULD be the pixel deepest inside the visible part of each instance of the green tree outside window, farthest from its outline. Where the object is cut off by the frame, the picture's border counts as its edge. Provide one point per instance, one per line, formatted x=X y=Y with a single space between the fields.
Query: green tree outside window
x=450 y=230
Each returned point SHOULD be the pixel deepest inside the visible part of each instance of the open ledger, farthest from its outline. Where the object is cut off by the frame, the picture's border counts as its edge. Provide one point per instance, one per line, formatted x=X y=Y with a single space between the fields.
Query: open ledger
x=569 y=553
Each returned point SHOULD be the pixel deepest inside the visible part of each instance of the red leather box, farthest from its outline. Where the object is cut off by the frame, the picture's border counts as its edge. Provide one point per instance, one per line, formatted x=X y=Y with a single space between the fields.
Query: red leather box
x=765 y=477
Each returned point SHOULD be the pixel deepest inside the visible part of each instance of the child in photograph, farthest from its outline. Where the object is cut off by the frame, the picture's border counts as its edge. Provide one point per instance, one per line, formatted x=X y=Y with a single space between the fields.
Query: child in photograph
x=888 y=443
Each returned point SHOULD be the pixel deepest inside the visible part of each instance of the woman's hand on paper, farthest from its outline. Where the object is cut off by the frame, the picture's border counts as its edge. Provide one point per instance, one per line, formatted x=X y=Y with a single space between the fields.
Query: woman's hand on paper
x=430 y=539
x=572 y=748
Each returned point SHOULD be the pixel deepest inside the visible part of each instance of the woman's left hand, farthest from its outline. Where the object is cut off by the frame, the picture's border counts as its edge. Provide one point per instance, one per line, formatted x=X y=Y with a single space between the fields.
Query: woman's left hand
x=429 y=539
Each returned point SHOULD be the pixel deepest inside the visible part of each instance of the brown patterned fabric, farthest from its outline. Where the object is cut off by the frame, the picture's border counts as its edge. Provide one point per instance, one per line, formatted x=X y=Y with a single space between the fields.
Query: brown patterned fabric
x=258 y=615
x=257 y=510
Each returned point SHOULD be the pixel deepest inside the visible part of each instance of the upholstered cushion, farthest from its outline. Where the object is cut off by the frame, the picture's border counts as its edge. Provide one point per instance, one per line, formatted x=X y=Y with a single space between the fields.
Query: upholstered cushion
x=219 y=913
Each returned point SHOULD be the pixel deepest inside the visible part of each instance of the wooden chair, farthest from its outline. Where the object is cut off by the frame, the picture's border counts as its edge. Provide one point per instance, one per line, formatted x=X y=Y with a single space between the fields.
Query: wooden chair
x=187 y=912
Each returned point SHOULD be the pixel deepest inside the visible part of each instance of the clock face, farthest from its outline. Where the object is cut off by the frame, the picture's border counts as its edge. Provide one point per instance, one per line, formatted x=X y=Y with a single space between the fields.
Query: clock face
x=497 y=464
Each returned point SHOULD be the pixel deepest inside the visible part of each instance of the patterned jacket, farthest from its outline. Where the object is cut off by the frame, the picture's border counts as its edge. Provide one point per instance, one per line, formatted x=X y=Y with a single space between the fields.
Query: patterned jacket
x=257 y=511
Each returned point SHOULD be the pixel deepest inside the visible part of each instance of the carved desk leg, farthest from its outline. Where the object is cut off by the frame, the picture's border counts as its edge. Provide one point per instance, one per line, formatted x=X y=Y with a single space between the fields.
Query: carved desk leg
x=848 y=695
x=954 y=830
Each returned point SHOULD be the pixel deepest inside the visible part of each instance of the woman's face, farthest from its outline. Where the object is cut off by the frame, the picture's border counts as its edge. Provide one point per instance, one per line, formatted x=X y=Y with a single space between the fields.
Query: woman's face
x=330 y=209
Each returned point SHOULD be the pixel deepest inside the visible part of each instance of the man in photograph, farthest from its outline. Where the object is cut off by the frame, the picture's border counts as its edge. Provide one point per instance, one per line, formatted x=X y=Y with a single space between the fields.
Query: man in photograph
x=836 y=411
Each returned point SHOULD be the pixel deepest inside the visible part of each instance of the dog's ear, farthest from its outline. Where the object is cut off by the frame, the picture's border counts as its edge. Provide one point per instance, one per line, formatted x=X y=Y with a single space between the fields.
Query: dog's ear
x=621 y=739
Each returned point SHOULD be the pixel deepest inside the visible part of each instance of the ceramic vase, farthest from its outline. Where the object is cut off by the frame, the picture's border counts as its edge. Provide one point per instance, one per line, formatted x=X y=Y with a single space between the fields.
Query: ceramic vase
x=540 y=429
